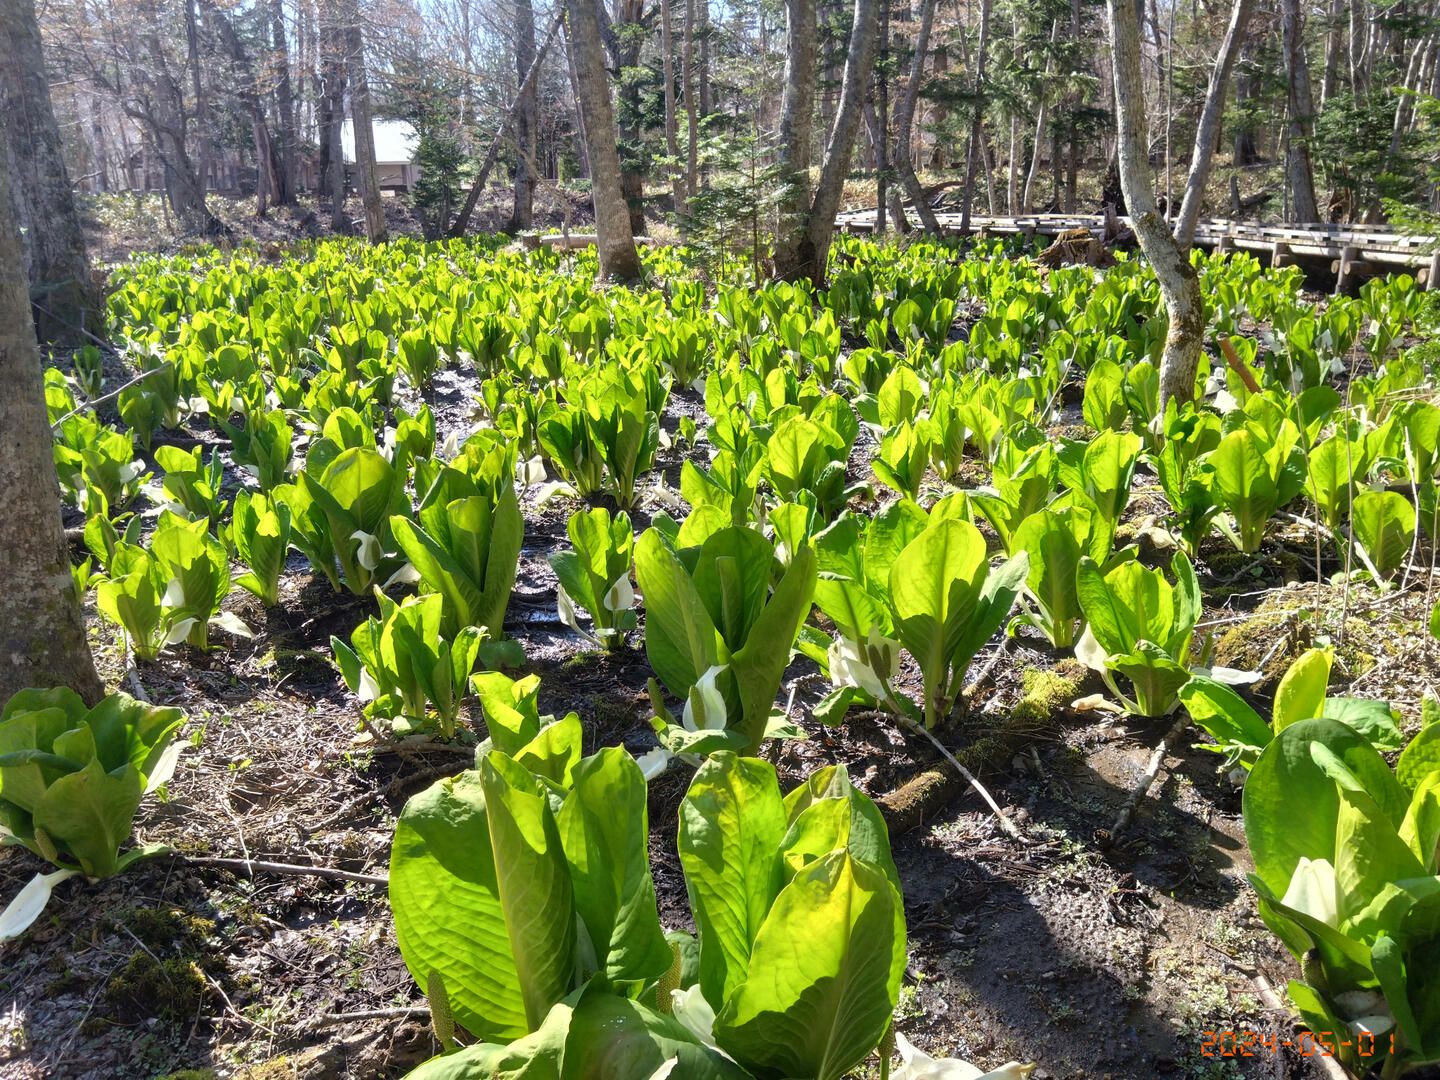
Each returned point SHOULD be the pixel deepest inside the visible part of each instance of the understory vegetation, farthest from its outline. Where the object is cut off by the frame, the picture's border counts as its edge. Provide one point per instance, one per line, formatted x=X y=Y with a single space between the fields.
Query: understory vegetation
x=790 y=524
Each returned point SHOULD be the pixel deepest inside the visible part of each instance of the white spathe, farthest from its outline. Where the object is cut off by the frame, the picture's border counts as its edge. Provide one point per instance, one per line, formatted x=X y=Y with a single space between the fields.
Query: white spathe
x=705 y=705
x=694 y=1013
x=1314 y=891
x=854 y=664
x=918 y=1065
x=29 y=903
x=621 y=595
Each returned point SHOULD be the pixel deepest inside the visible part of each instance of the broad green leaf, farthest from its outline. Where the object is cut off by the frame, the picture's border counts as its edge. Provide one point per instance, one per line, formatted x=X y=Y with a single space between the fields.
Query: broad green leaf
x=732 y=821
x=445 y=896
x=1291 y=806
x=681 y=641
x=824 y=974
x=533 y=884
x=1301 y=693
x=1224 y=713
x=604 y=828
x=1420 y=758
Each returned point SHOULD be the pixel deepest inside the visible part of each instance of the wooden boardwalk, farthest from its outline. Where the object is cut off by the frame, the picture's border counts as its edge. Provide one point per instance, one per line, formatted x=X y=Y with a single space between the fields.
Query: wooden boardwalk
x=1352 y=251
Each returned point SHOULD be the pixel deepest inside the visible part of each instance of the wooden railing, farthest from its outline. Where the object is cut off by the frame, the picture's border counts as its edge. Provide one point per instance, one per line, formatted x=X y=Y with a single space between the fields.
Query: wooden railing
x=1354 y=251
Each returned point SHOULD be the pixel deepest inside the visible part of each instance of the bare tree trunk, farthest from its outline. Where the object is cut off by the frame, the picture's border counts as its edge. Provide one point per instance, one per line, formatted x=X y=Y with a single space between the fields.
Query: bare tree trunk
x=202 y=104
x=284 y=193
x=67 y=302
x=973 y=153
x=624 y=42
x=881 y=131
x=1041 y=114
x=838 y=149
x=1179 y=283
x=692 y=120
x=42 y=630
x=707 y=106
x=1298 y=167
x=619 y=261
x=166 y=126
x=805 y=256
x=939 y=111
x=363 y=124
x=796 y=110
x=672 y=142
x=1012 y=163
x=905 y=121
x=1207 y=130
x=527 y=116
x=527 y=84
x=332 y=114
x=268 y=168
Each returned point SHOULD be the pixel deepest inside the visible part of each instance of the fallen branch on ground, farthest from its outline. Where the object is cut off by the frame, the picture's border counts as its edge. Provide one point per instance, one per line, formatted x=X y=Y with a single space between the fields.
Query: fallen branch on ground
x=1152 y=770
x=251 y=867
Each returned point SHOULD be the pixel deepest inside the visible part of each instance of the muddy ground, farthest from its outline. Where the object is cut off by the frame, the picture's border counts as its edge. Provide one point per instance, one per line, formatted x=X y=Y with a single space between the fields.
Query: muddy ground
x=1093 y=955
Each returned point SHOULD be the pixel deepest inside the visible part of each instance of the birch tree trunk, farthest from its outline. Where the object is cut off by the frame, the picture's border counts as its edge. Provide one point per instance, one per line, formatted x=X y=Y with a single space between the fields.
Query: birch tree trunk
x=362 y=122
x=882 y=119
x=619 y=261
x=59 y=271
x=805 y=256
x=163 y=116
x=1041 y=113
x=1179 y=283
x=905 y=121
x=1299 y=169
x=42 y=630
x=332 y=114
x=1207 y=130
x=462 y=219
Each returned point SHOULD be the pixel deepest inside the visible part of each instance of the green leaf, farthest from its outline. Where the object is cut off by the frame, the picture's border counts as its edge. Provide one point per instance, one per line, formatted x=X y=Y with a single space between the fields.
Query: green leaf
x=681 y=641
x=1301 y=693
x=604 y=828
x=934 y=586
x=89 y=813
x=824 y=974
x=1291 y=806
x=732 y=821
x=1224 y=714
x=444 y=893
x=1420 y=758
x=533 y=882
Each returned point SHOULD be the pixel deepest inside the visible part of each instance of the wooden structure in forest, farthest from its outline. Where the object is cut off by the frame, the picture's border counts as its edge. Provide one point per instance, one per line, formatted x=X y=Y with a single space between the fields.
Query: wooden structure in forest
x=1351 y=252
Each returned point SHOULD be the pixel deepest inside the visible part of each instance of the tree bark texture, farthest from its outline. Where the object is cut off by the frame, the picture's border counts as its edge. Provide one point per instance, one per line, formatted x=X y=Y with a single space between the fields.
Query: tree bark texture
x=284 y=193
x=797 y=103
x=1207 y=130
x=905 y=122
x=619 y=261
x=627 y=41
x=805 y=255
x=527 y=116
x=42 y=630
x=1179 y=283
x=65 y=299
x=1299 y=169
x=672 y=143
x=362 y=121
x=332 y=115
x=974 y=154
